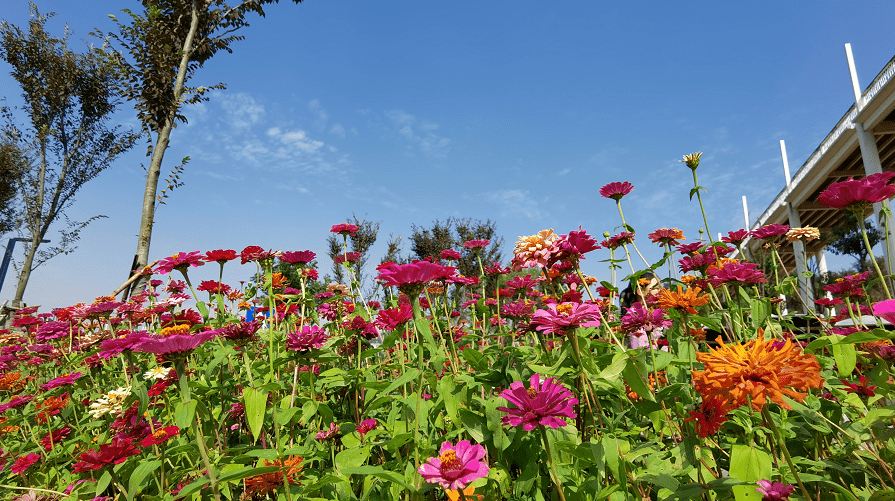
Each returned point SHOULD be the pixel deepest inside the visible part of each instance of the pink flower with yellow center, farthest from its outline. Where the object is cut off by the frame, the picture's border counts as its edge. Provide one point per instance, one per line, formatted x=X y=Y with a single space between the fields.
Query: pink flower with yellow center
x=456 y=466
x=541 y=404
x=557 y=318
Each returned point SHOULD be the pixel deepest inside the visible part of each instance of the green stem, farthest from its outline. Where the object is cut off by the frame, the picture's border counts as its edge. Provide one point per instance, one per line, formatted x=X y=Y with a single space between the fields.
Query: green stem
x=879 y=272
x=551 y=463
x=769 y=420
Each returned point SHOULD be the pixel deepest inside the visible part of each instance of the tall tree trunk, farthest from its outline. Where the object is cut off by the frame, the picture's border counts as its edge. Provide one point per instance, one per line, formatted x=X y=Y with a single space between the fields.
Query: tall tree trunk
x=158 y=153
x=25 y=274
x=35 y=222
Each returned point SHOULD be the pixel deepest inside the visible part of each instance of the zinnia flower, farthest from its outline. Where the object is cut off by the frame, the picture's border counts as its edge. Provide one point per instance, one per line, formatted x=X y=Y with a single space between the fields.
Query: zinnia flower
x=64 y=380
x=746 y=273
x=735 y=237
x=862 y=387
x=616 y=190
x=572 y=247
x=857 y=194
x=23 y=463
x=770 y=231
x=639 y=318
x=391 y=318
x=456 y=466
x=261 y=485
x=666 y=236
x=345 y=229
x=110 y=403
x=55 y=437
x=680 y=300
x=757 y=372
x=161 y=435
x=348 y=257
x=173 y=345
x=220 y=256
x=308 y=338
x=808 y=233
x=180 y=261
x=411 y=278
x=541 y=404
x=298 y=257
x=884 y=309
x=476 y=244
x=329 y=433
x=115 y=453
x=557 y=318
x=450 y=255
x=710 y=416
x=533 y=250
x=692 y=160
x=774 y=491
x=366 y=426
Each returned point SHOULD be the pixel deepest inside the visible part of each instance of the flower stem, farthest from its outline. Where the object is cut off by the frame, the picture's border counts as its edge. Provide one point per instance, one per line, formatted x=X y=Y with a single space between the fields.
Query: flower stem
x=551 y=463
x=879 y=273
x=769 y=420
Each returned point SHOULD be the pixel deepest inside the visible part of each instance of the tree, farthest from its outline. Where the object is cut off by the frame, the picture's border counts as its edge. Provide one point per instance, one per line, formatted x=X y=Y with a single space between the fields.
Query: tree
x=162 y=48
x=13 y=162
x=68 y=99
x=847 y=240
x=451 y=234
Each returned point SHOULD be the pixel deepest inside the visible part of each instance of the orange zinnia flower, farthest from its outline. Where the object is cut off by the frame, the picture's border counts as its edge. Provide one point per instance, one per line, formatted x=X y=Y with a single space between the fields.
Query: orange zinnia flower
x=681 y=300
x=264 y=484
x=11 y=381
x=50 y=407
x=756 y=372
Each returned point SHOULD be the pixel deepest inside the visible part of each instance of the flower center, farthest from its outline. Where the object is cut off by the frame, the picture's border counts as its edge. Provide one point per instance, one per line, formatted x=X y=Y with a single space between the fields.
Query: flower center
x=160 y=435
x=449 y=460
x=532 y=393
x=564 y=309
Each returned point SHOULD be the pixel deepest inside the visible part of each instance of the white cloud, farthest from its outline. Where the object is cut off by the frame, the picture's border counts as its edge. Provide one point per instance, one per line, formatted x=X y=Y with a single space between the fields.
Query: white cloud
x=242 y=110
x=515 y=203
x=338 y=130
x=405 y=125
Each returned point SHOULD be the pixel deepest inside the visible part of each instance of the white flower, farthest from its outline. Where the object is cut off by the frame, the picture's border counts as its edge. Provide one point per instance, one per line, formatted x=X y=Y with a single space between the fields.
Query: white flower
x=111 y=403
x=157 y=373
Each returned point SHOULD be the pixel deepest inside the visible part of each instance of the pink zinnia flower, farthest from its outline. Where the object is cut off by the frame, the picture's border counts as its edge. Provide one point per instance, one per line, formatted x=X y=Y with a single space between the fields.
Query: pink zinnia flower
x=391 y=318
x=24 y=462
x=735 y=237
x=639 y=318
x=180 y=261
x=328 y=434
x=456 y=465
x=770 y=231
x=774 y=491
x=851 y=285
x=560 y=317
x=746 y=273
x=616 y=190
x=666 y=236
x=348 y=257
x=450 y=254
x=366 y=426
x=344 y=229
x=476 y=244
x=883 y=309
x=173 y=344
x=308 y=338
x=571 y=247
x=618 y=240
x=66 y=380
x=858 y=194
x=55 y=437
x=542 y=404
x=297 y=257
x=410 y=278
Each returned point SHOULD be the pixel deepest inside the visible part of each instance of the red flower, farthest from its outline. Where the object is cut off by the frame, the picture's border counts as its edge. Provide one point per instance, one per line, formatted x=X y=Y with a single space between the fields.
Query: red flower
x=344 y=229
x=770 y=231
x=220 y=255
x=449 y=254
x=710 y=416
x=412 y=276
x=55 y=438
x=213 y=286
x=115 y=453
x=735 y=237
x=366 y=426
x=391 y=318
x=349 y=257
x=666 y=236
x=618 y=240
x=616 y=190
x=861 y=388
x=160 y=436
x=858 y=194
x=23 y=462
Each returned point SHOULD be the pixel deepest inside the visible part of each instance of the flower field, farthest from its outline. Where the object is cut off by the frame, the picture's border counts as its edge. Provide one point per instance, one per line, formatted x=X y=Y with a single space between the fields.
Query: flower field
x=676 y=380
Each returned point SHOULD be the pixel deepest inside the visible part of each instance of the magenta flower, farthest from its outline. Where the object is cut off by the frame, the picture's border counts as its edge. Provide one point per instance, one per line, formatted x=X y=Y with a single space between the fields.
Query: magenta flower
x=774 y=491
x=297 y=257
x=348 y=257
x=16 y=401
x=617 y=241
x=328 y=434
x=476 y=244
x=180 y=261
x=54 y=330
x=616 y=190
x=571 y=247
x=735 y=237
x=410 y=278
x=851 y=285
x=308 y=338
x=560 y=317
x=175 y=344
x=456 y=466
x=884 y=309
x=366 y=426
x=858 y=194
x=344 y=229
x=450 y=255
x=746 y=273
x=23 y=463
x=542 y=404
x=391 y=318
x=770 y=231
x=66 y=380
x=639 y=318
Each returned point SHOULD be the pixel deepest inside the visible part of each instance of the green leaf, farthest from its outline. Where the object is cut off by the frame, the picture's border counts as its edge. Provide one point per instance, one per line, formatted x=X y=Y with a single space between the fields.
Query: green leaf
x=377 y=471
x=203 y=310
x=846 y=358
x=352 y=458
x=184 y=413
x=748 y=464
x=475 y=425
x=308 y=411
x=103 y=482
x=475 y=359
x=248 y=471
x=633 y=374
x=405 y=378
x=139 y=475
x=446 y=388
x=883 y=495
x=611 y=373
x=255 y=402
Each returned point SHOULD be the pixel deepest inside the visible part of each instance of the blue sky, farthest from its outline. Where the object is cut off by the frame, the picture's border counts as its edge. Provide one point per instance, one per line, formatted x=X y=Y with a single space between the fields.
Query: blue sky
x=405 y=112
